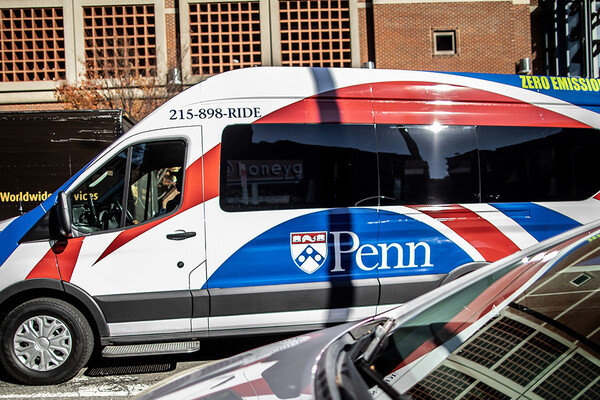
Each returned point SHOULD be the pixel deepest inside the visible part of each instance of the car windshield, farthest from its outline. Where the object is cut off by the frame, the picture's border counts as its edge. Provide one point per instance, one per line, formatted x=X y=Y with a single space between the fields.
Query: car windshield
x=530 y=328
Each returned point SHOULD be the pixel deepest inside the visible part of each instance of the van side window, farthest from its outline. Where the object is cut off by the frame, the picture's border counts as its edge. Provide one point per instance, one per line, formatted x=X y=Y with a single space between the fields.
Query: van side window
x=155 y=180
x=428 y=164
x=146 y=178
x=520 y=164
x=278 y=166
x=275 y=166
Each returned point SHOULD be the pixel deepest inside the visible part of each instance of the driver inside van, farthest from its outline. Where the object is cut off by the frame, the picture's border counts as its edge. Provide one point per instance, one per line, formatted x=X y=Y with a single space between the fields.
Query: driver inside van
x=172 y=197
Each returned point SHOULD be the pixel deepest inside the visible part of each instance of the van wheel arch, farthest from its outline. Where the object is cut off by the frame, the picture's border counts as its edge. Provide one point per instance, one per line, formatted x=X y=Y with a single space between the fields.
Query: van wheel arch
x=463 y=270
x=45 y=340
x=27 y=290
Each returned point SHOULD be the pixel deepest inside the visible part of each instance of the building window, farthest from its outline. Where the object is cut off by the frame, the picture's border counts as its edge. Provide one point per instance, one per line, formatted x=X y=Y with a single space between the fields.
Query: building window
x=224 y=36
x=32 y=46
x=120 y=40
x=444 y=43
x=315 y=33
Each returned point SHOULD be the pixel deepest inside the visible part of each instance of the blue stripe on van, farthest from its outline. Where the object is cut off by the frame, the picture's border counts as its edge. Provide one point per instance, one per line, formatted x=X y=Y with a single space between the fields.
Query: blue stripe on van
x=10 y=236
x=589 y=98
x=541 y=222
x=268 y=259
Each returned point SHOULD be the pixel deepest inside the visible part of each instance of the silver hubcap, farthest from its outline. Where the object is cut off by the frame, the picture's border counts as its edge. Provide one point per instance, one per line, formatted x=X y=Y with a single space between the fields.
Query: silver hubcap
x=42 y=343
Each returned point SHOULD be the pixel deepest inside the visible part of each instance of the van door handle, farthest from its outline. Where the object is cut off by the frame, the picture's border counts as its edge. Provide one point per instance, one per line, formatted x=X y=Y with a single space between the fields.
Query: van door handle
x=181 y=235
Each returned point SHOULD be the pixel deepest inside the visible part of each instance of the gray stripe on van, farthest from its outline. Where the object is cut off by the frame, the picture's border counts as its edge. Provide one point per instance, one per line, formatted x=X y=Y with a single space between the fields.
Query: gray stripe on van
x=400 y=289
x=146 y=306
x=293 y=297
x=221 y=302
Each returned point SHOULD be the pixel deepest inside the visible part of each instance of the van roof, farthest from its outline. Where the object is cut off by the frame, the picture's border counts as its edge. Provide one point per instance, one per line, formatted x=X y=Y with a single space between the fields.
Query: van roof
x=296 y=83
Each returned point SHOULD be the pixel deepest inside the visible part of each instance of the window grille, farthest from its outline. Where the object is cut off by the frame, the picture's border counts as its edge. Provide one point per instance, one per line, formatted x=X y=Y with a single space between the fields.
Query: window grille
x=32 y=44
x=442 y=383
x=120 y=40
x=483 y=391
x=569 y=379
x=531 y=359
x=224 y=36
x=494 y=343
x=315 y=33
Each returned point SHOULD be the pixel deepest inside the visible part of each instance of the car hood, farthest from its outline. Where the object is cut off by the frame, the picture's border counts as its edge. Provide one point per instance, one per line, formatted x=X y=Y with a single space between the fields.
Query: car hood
x=283 y=369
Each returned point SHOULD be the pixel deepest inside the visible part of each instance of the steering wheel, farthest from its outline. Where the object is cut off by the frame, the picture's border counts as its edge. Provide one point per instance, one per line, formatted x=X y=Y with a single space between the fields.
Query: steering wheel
x=119 y=210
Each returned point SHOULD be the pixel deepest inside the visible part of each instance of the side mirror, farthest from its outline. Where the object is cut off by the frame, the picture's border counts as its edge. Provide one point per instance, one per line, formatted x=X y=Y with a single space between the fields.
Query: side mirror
x=63 y=214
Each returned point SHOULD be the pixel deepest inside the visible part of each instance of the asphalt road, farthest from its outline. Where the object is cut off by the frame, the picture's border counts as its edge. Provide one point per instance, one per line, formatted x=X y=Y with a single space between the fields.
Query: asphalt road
x=122 y=378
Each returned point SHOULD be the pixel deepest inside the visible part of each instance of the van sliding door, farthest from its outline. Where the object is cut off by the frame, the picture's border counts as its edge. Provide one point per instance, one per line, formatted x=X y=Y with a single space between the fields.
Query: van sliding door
x=299 y=251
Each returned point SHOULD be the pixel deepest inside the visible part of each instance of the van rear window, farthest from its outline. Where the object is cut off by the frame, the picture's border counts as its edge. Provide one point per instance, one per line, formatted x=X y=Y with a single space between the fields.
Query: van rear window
x=538 y=164
x=283 y=166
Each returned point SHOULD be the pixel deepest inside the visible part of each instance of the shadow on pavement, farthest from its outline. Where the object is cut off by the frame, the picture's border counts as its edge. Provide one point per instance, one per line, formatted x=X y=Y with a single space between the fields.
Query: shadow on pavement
x=210 y=349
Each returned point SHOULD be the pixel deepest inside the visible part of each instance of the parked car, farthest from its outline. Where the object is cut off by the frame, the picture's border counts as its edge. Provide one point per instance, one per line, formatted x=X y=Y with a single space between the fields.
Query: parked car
x=527 y=325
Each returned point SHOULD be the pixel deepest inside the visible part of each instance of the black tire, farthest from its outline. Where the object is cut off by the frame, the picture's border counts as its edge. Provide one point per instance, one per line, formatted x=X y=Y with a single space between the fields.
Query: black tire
x=45 y=341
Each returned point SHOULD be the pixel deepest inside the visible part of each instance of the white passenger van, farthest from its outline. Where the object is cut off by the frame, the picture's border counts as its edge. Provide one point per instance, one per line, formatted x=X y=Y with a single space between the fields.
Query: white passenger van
x=285 y=199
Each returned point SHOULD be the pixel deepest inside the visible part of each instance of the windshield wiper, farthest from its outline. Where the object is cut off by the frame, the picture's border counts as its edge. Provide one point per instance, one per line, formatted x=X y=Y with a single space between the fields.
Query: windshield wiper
x=365 y=361
x=354 y=359
x=380 y=333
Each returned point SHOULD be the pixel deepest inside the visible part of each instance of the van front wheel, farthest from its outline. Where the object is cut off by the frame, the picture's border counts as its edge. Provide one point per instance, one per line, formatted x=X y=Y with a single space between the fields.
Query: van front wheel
x=45 y=341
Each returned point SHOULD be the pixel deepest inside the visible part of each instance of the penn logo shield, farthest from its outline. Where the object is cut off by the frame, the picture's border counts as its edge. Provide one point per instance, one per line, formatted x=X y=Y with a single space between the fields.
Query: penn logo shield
x=309 y=250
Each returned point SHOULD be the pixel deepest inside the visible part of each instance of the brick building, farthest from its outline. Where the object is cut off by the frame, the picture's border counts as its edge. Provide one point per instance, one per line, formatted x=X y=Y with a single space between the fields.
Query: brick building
x=44 y=42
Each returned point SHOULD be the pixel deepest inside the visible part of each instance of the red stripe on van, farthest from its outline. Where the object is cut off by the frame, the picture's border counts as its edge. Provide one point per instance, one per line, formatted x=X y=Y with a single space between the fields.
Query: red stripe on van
x=489 y=114
x=423 y=103
x=193 y=185
x=45 y=268
x=480 y=233
x=431 y=91
x=192 y=196
x=319 y=110
x=66 y=259
x=212 y=165
x=129 y=234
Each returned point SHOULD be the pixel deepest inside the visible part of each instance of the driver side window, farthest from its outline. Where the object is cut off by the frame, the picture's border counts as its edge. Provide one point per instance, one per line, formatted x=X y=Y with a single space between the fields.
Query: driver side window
x=147 y=178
